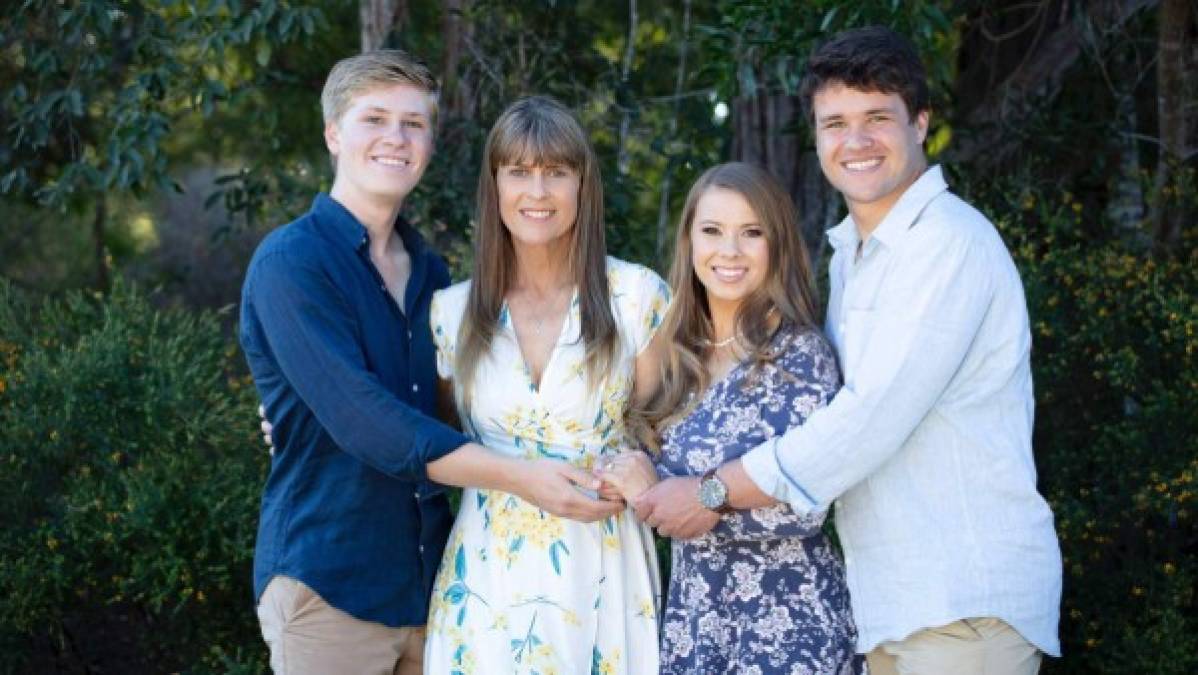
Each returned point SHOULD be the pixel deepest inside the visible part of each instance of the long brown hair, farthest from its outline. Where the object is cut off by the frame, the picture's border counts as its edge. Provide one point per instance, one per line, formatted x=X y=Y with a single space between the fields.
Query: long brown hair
x=788 y=290
x=536 y=130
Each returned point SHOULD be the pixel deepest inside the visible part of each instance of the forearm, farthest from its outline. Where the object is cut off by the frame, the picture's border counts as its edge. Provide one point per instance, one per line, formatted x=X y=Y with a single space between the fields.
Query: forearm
x=473 y=465
x=743 y=493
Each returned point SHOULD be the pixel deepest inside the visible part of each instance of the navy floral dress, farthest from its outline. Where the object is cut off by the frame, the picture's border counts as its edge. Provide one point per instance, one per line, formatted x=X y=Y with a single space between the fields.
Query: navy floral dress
x=764 y=592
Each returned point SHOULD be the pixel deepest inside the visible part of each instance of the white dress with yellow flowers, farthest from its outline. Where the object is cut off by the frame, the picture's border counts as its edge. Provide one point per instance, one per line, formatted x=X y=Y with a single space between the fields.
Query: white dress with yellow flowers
x=520 y=590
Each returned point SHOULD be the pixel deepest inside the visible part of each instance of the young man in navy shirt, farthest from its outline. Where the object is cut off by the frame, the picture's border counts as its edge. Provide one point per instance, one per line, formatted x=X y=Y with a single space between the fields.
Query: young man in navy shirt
x=334 y=325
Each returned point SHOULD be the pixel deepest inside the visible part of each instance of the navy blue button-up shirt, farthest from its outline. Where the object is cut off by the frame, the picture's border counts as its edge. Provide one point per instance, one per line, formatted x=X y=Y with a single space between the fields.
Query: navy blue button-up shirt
x=349 y=382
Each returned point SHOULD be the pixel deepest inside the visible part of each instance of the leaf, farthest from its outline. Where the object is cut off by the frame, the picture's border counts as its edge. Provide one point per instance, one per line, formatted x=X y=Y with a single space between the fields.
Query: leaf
x=262 y=55
x=459 y=562
x=462 y=615
x=553 y=558
x=828 y=19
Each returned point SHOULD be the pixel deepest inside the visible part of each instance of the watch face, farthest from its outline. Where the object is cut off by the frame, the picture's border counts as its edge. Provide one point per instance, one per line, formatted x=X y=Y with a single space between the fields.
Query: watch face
x=712 y=493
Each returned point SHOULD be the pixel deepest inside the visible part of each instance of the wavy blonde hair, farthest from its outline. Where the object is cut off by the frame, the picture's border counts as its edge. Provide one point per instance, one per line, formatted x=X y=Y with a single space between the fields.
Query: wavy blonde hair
x=536 y=130
x=788 y=289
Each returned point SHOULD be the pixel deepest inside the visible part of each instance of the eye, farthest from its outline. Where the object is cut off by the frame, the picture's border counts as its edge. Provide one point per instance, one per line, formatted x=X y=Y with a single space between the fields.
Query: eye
x=556 y=172
x=374 y=119
x=414 y=124
x=710 y=230
x=834 y=124
x=879 y=118
x=754 y=232
x=517 y=171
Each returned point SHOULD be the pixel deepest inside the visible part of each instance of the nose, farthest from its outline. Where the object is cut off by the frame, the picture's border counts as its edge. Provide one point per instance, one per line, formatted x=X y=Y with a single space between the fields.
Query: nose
x=859 y=137
x=398 y=134
x=729 y=246
x=536 y=187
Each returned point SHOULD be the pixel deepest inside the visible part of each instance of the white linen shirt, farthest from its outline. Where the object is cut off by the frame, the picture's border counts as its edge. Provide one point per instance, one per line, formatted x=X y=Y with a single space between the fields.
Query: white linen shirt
x=926 y=450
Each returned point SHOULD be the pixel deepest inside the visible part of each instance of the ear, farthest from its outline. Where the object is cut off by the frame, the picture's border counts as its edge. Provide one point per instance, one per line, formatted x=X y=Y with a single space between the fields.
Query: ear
x=332 y=138
x=921 y=124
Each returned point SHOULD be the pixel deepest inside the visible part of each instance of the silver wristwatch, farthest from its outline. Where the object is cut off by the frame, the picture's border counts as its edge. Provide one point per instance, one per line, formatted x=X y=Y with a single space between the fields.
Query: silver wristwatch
x=713 y=494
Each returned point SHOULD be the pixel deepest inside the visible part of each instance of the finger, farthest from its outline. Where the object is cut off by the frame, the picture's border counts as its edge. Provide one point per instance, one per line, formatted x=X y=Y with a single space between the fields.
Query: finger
x=266 y=427
x=261 y=411
x=580 y=477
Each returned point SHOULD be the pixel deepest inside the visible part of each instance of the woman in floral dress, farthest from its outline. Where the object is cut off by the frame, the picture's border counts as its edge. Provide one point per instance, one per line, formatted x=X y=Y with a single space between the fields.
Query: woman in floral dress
x=544 y=349
x=764 y=591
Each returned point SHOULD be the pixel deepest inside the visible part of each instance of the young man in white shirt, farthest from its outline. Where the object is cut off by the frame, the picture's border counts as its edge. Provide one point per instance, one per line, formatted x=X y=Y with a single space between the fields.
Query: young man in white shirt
x=953 y=562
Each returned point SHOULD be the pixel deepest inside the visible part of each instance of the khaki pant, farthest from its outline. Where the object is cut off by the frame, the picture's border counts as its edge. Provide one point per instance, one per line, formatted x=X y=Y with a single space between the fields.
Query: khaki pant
x=307 y=636
x=983 y=646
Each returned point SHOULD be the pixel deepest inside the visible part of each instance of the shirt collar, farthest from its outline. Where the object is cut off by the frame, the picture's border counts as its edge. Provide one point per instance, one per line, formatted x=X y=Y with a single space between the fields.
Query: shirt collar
x=901 y=217
x=346 y=229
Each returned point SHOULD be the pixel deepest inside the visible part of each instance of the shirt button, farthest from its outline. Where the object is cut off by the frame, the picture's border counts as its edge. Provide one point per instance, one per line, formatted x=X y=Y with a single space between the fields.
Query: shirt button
x=421 y=547
x=415 y=387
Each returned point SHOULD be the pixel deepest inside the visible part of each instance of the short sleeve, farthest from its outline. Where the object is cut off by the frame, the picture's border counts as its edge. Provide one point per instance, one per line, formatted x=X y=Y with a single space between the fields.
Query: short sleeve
x=444 y=337
x=653 y=298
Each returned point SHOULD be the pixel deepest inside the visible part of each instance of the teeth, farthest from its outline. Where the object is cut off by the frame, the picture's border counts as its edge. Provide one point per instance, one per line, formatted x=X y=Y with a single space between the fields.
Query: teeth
x=537 y=214
x=729 y=273
x=391 y=161
x=863 y=165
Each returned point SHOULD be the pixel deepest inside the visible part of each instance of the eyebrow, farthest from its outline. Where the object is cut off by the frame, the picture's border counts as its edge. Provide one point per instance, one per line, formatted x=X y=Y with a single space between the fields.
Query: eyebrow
x=751 y=223
x=872 y=111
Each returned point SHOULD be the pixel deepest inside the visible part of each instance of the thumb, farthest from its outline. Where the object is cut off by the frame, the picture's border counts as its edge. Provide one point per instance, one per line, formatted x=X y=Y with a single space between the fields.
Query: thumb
x=580 y=477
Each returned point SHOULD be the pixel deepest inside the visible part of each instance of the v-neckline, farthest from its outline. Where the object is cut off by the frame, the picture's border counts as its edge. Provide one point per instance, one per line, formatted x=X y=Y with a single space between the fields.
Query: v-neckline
x=536 y=386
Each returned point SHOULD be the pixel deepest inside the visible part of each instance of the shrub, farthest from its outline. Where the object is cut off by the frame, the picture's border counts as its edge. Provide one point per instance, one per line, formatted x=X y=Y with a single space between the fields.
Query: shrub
x=1116 y=433
x=130 y=488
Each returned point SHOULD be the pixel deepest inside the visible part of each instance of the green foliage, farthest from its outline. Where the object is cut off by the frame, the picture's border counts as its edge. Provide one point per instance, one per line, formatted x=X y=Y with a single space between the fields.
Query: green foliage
x=93 y=88
x=1116 y=432
x=130 y=488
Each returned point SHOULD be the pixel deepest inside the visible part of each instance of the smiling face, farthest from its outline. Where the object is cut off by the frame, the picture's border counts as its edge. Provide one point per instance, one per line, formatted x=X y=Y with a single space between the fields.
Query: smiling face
x=382 y=143
x=538 y=203
x=869 y=148
x=729 y=249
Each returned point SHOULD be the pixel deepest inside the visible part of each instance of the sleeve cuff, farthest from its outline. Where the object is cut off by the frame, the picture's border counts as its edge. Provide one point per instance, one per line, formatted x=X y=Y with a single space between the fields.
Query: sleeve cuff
x=440 y=441
x=761 y=465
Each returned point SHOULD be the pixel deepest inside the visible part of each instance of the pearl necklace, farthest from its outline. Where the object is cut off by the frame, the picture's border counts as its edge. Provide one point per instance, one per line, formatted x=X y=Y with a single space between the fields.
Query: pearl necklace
x=721 y=344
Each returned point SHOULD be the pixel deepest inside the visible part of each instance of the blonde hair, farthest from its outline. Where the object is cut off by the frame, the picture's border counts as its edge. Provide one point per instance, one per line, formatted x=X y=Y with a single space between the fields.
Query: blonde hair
x=382 y=67
x=539 y=131
x=787 y=290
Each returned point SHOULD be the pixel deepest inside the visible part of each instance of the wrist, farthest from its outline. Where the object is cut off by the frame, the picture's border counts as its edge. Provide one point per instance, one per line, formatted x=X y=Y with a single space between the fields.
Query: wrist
x=713 y=492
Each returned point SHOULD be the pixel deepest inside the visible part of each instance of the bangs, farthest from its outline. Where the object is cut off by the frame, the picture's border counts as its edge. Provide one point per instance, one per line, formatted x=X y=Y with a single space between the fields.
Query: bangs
x=538 y=140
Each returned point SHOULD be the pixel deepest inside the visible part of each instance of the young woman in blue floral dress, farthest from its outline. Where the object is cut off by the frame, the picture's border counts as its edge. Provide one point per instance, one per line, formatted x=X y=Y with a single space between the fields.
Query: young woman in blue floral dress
x=742 y=362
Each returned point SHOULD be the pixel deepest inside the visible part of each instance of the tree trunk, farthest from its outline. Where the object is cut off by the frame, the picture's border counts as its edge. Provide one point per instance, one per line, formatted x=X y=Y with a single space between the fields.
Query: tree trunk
x=1172 y=102
x=1040 y=64
x=663 y=207
x=99 y=220
x=1126 y=205
x=625 y=101
x=765 y=133
x=378 y=19
x=456 y=86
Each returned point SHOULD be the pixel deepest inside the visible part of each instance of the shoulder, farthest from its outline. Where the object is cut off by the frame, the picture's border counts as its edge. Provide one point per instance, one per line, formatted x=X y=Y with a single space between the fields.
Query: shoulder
x=451 y=297
x=950 y=222
x=633 y=282
x=292 y=249
x=804 y=352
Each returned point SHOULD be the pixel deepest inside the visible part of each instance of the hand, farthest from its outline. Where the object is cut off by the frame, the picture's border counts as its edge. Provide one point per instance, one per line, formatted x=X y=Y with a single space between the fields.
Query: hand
x=672 y=507
x=266 y=427
x=629 y=473
x=556 y=487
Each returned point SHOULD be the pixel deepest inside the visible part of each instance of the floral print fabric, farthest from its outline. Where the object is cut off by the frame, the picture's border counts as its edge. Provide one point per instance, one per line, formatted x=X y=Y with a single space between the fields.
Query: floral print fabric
x=520 y=590
x=764 y=592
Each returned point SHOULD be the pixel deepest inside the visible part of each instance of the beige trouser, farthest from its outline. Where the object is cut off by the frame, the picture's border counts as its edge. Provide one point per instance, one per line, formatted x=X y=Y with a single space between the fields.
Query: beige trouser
x=983 y=646
x=306 y=636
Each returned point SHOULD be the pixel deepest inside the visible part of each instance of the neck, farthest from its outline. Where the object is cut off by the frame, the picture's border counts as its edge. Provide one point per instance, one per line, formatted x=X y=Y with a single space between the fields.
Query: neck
x=723 y=318
x=376 y=215
x=867 y=216
x=542 y=270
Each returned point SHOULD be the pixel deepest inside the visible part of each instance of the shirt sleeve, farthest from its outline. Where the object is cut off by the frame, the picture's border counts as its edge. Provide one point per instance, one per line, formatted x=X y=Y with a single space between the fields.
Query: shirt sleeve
x=911 y=344
x=311 y=333
x=444 y=334
x=806 y=376
x=654 y=297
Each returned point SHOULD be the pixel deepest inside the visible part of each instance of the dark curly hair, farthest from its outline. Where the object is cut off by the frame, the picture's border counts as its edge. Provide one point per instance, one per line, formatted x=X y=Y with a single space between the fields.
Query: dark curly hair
x=869 y=59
